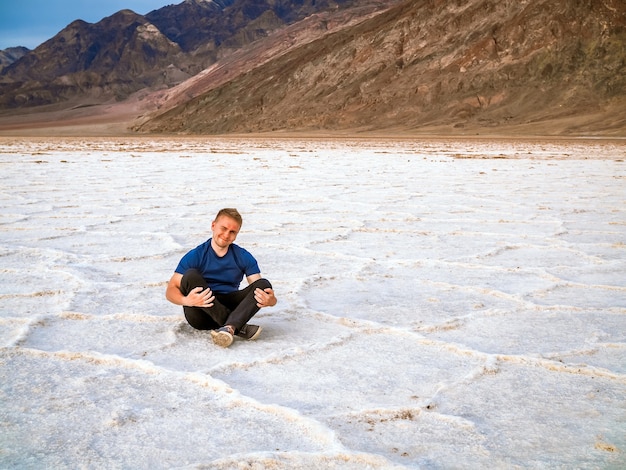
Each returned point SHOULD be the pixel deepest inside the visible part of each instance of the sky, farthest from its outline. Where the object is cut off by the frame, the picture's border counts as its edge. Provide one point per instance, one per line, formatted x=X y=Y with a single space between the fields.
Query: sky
x=31 y=22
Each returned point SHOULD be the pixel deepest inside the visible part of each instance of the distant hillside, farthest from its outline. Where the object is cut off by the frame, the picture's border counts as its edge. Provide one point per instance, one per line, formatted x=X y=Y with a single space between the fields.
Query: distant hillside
x=127 y=52
x=558 y=65
x=10 y=55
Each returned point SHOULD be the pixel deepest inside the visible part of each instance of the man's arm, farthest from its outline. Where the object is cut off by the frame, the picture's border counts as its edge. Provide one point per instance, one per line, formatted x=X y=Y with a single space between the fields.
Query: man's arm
x=265 y=297
x=196 y=298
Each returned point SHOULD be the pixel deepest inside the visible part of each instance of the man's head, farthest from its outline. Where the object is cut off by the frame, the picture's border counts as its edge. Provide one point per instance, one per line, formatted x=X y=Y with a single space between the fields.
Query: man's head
x=226 y=227
x=232 y=213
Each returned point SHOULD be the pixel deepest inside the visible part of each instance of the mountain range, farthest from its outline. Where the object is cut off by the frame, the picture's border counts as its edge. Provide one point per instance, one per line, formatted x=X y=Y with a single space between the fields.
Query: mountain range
x=555 y=67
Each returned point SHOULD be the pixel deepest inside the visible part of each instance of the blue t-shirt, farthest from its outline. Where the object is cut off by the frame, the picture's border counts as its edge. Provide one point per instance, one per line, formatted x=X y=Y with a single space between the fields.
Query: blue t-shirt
x=222 y=274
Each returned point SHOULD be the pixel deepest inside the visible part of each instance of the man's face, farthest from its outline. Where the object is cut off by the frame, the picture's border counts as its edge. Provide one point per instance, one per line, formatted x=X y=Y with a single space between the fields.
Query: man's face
x=225 y=230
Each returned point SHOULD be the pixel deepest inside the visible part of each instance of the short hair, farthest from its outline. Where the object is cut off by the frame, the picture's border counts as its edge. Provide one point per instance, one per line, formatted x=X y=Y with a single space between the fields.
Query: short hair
x=232 y=213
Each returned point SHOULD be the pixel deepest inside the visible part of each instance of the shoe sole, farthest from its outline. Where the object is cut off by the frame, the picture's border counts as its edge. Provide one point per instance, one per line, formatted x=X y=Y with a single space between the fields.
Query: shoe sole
x=254 y=336
x=222 y=338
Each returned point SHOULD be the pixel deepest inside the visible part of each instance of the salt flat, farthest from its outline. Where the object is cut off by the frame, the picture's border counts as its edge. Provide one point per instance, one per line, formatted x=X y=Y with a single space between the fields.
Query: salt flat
x=442 y=304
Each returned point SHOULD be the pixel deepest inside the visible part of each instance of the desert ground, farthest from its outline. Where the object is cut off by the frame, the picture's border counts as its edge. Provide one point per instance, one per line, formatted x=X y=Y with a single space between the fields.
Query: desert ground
x=451 y=302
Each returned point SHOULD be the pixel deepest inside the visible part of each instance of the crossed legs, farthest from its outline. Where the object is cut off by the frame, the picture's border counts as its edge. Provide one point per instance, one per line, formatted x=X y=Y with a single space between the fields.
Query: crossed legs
x=235 y=308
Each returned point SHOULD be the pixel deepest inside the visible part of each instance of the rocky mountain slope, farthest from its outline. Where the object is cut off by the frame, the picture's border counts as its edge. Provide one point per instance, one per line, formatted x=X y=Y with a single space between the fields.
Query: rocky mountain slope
x=127 y=52
x=247 y=58
x=455 y=65
x=389 y=66
x=10 y=55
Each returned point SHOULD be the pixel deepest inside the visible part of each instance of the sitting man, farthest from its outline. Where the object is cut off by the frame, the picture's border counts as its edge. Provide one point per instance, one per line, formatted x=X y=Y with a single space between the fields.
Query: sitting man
x=206 y=283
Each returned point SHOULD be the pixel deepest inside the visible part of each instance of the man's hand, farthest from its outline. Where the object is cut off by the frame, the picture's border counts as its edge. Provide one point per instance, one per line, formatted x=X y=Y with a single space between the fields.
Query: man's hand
x=199 y=298
x=265 y=298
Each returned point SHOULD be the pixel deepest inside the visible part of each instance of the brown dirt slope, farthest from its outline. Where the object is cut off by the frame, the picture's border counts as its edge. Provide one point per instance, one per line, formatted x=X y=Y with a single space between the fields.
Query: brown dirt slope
x=541 y=67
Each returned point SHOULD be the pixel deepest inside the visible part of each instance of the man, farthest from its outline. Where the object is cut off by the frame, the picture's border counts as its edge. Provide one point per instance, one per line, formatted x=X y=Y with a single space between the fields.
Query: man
x=206 y=283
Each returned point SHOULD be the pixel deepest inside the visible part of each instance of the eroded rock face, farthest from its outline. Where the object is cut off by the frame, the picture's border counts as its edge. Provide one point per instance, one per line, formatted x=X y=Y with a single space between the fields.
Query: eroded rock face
x=127 y=52
x=464 y=63
x=249 y=66
x=109 y=59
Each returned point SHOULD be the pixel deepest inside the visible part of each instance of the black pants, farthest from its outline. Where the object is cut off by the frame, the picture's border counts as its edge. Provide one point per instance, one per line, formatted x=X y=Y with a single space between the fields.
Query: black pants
x=235 y=308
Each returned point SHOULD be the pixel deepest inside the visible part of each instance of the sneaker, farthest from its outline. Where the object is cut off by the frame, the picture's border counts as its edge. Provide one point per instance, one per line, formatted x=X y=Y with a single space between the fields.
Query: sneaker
x=223 y=336
x=249 y=332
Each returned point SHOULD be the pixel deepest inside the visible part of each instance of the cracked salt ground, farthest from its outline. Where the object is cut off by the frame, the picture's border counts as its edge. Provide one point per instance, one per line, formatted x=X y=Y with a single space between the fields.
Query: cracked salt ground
x=437 y=309
x=102 y=410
